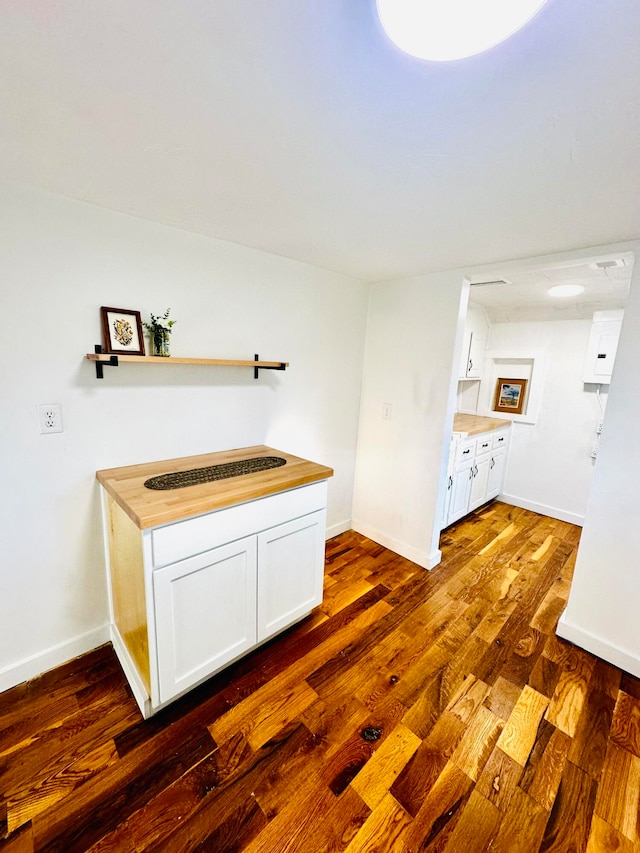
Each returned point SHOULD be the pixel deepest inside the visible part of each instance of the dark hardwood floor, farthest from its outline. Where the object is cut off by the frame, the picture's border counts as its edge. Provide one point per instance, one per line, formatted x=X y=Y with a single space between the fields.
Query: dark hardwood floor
x=413 y=711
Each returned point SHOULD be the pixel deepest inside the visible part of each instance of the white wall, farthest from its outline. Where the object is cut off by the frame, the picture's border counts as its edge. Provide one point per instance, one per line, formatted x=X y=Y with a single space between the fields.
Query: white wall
x=61 y=260
x=602 y=614
x=413 y=336
x=550 y=466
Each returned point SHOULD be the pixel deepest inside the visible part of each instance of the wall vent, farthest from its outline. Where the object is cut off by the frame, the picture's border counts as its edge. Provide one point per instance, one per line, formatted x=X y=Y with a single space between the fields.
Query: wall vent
x=607 y=265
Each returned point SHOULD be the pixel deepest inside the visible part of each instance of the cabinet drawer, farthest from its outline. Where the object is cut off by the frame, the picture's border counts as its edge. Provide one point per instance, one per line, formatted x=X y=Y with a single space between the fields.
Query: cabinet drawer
x=466 y=451
x=500 y=439
x=483 y=444
x=183 y=539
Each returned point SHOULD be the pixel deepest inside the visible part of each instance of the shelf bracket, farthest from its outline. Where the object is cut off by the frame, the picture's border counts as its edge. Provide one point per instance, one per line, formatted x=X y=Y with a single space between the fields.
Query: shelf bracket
x=111 y=362
x=256 y=357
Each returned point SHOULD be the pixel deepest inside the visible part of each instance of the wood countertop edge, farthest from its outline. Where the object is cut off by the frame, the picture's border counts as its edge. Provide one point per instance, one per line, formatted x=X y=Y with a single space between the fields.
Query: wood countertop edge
x=477 y=424
x=149 y=508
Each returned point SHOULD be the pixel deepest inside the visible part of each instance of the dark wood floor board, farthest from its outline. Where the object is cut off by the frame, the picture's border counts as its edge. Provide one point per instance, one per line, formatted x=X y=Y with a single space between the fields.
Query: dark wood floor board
x=31 y=799
x=46 y=757
x=413 y=711
x=570 y=820
x=125 y=796
x=625 y=730
x=382 y=830
x=63 y=681
x=523 y=826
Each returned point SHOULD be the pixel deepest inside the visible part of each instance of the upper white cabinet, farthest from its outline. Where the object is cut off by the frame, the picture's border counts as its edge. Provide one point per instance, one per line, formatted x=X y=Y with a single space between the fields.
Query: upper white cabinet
x=476 y=332
x=602 y=347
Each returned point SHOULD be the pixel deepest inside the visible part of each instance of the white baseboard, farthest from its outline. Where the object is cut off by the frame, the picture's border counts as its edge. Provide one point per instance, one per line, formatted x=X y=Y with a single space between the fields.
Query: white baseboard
x=598 y=646
x=337 y=529
x=422 y=558
x=543 y=509
x=435 y=557
x=54 y=656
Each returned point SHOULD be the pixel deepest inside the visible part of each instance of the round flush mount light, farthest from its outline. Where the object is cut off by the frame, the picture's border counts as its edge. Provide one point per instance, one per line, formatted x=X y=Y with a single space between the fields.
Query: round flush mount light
x=442 y=30
x=562 y=291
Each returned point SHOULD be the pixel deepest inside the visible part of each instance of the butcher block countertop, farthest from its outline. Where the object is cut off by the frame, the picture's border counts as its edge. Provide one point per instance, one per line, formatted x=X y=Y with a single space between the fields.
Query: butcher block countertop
x=150 y=508
x=474 y=424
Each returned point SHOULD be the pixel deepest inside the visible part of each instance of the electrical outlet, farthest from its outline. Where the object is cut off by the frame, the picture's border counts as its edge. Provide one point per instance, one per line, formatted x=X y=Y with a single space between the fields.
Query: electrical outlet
x=386 y=411
x=50 y=417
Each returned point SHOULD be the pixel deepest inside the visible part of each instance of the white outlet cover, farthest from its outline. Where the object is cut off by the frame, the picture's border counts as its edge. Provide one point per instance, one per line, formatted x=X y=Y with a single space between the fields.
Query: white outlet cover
x=50 y=418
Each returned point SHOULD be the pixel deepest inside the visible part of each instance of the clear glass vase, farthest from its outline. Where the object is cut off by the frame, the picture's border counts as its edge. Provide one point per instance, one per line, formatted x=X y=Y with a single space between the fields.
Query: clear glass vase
x=161 y=342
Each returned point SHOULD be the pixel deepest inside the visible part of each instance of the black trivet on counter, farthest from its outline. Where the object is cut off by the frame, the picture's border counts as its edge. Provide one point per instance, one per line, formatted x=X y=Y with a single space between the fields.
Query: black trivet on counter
x=180 y=479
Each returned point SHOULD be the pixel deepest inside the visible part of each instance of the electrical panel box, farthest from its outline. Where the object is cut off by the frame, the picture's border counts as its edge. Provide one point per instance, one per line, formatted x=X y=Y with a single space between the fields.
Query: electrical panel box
x=602 y=347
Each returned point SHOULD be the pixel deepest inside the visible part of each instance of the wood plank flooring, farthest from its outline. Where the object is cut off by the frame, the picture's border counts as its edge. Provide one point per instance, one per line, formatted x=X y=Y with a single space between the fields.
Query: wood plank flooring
x=412 y=711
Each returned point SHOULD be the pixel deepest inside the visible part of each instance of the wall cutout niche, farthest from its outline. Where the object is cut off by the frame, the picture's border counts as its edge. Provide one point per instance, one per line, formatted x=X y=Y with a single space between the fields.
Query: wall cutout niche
x=513 y=365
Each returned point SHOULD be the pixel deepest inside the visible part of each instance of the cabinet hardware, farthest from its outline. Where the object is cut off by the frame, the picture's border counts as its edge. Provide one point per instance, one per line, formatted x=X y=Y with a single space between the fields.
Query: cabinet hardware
x=493 y=462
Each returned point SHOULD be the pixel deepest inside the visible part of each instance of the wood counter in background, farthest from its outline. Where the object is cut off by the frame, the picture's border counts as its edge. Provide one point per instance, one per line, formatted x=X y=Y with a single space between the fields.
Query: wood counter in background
x=475 y=424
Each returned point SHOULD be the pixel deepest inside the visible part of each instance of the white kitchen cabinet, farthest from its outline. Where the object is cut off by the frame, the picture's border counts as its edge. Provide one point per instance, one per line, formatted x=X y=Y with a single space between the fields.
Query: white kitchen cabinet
x=212 y=608
x=461 y=482
x=477 y=474
x=480 y=480
x=290 y=573
x=190 y=596
x=496 y=473
x=476 y=331
x=205 y=614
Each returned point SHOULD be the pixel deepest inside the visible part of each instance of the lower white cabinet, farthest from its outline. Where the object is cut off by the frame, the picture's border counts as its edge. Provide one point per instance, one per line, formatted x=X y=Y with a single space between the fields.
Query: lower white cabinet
x=212 y=608
x=496 y=473
x=480 y=481
x=461 y=483
x=476 y=473
x=190 y=597
x=290 y=573
x=205 y=614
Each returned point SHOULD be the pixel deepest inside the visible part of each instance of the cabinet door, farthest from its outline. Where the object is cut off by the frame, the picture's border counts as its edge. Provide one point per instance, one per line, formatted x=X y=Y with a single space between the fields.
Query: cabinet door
x=496 y=473
x=446 y=509
x=460 y=491
x=481 y=470
x=290 y=572
x=205 y=610
x=464 y=355
x=477 y=349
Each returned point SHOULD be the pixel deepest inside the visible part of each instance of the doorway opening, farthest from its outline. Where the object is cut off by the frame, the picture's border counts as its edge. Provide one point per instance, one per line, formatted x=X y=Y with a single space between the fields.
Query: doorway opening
x=540 y=367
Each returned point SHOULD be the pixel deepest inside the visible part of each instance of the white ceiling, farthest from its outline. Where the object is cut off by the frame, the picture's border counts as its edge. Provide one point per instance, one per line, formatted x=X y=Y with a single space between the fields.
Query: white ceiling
x=525 y=297
x=294 y=126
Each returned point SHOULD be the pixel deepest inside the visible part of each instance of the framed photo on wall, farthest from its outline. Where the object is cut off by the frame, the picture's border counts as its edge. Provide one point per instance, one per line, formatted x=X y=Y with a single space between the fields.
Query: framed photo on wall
x=122 y=331
x=510 y=396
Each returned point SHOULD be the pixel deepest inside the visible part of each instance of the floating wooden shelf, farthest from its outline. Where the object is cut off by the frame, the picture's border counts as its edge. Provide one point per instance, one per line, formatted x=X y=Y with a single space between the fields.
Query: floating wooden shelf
x=102 y=359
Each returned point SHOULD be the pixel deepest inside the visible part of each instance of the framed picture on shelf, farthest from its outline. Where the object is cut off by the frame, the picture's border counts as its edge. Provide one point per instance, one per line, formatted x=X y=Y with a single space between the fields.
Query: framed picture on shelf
x=122 y=331
x=510 y=396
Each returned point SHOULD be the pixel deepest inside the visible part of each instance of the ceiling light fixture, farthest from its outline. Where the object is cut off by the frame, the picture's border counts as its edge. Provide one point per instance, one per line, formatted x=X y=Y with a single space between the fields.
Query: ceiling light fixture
x=562 y=291
x=442 y=30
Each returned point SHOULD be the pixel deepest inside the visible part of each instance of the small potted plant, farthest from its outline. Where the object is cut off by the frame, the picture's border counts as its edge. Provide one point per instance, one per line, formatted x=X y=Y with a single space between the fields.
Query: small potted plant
x=160 y=329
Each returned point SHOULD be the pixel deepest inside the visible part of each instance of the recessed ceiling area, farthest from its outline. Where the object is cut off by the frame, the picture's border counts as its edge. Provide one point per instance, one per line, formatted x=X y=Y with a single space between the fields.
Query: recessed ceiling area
x=524 y=296
x=296 y=127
